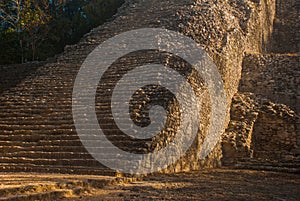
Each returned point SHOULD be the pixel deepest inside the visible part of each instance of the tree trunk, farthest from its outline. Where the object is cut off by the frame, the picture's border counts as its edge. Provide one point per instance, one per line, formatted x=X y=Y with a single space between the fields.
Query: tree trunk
x=22 y=51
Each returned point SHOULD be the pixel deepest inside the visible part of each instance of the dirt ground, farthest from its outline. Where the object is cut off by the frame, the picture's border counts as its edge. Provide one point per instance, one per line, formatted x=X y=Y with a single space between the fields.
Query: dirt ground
x=208 y=185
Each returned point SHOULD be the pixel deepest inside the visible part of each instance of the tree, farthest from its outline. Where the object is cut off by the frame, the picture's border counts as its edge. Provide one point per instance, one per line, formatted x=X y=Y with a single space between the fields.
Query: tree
x=10 y=14
x=28 y=19
x=34 y=18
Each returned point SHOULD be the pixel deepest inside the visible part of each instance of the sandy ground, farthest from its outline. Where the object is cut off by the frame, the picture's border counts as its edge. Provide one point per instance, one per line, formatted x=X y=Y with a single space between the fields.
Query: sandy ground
x=210 y=185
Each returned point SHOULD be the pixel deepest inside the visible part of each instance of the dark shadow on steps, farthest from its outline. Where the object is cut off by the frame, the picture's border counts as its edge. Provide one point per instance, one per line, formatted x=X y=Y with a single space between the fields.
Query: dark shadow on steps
x=12 y=75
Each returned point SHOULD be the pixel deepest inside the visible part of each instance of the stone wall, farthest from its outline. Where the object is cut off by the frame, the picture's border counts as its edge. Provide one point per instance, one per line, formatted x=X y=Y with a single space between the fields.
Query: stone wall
x=264 y=129
x=227 y=30
x=276 y=77
x=237 y=140
x=286 y=37
x=276 y=133
x=261 y=135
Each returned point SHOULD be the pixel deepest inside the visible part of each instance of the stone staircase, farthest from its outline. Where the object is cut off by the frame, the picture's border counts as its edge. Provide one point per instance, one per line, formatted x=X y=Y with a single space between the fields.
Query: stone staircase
x=37 y=133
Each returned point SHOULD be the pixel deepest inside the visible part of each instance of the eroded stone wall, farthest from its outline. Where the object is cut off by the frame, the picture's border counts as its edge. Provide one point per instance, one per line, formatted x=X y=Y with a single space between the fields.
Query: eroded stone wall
x=276 y=77
x=286 y=37
x=237 y=139
x=276 y=133
x=264 y=129
x=261 y=135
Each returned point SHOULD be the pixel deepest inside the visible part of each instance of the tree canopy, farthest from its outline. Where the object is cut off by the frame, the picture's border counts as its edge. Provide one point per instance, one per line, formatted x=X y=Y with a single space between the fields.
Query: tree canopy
x=32 y=30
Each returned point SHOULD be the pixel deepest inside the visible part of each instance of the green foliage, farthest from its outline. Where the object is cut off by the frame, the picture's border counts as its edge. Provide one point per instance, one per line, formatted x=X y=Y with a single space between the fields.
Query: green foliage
x=36 y=30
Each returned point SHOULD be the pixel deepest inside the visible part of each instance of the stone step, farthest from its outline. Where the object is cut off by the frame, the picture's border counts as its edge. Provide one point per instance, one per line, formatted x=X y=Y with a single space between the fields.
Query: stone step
x=60 y=148
x=55 y=114
x=52 y=162
x=55 y=156
x=27 y=110
x=35 y=127
x=51 y=195
x=81 y=170
x=9 y=149
x=41 y=143
x=276 y=154
x=47 y=137
x=269 y=168
x=292 y=166
x=12 y=122
x=291 y=163
x=54 y=136
x=27 y=114
x=48 y=155
x=38 y=142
